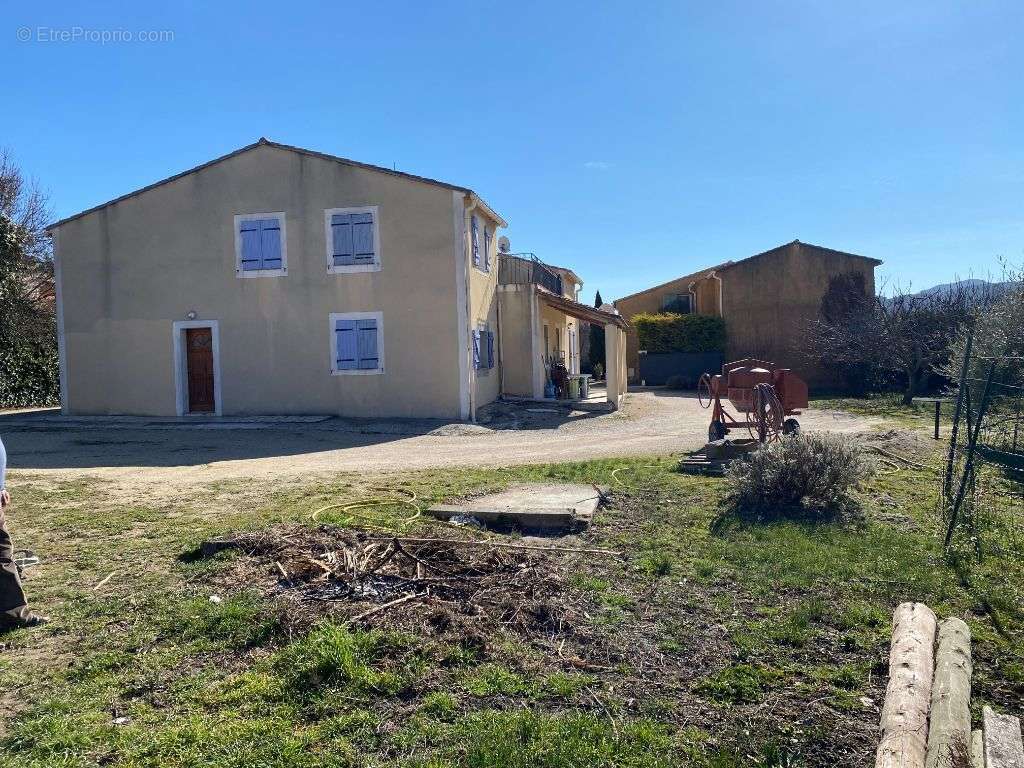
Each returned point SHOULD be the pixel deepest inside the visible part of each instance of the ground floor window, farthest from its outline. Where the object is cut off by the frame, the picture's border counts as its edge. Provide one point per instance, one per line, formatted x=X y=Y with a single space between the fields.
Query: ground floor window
x=483 y=347
x=357 y=343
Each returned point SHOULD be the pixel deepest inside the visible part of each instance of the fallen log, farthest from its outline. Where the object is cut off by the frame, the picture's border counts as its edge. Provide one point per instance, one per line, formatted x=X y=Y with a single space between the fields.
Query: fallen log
x=904 y=724
x=950 y=718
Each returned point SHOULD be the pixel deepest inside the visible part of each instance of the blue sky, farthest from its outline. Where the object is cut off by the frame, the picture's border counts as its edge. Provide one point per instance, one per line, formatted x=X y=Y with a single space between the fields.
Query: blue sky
x=635 y=142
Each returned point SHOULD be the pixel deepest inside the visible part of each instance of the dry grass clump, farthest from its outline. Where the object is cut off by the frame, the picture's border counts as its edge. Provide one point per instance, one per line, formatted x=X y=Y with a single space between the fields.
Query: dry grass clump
x=804 y=476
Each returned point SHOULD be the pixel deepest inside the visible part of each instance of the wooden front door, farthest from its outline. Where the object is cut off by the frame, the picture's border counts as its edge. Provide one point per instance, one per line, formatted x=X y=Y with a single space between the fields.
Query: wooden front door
x=199 y=343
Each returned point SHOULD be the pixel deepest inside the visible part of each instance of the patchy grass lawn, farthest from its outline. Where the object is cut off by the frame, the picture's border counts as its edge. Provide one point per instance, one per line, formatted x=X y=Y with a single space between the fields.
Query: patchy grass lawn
x=711 y=643
x=889 y=406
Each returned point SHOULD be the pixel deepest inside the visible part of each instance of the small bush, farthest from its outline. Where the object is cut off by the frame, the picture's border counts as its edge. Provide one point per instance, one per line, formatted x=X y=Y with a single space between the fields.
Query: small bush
x=675 y=381
x=804 y=476
x=679 y=333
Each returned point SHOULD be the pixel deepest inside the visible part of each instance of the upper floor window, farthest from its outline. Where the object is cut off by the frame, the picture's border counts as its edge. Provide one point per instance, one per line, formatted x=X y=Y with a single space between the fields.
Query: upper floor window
x=353 y=239
x=487 y=249
x=357 y=343
x=678 y=303
x=474 y=238
x=261 y=245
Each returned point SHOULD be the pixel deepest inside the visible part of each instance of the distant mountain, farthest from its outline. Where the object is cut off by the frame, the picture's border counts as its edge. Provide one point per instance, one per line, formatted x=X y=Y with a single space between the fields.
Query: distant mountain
x=978 y=292
x=982 y=289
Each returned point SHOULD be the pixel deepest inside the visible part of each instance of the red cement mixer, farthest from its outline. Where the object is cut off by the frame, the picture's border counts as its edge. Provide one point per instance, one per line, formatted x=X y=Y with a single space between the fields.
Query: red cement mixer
x=766 y=396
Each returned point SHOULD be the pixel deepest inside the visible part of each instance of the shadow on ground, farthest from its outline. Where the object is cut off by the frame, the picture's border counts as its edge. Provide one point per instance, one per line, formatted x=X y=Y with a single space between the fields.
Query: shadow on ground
x=44 y=440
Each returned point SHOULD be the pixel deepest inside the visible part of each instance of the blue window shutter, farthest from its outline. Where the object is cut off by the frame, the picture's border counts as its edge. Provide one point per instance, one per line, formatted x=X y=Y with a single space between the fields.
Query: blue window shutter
x=476 y=240
x=476 y=349
x=345 y=343
x=270 y=240
x=249 y=232
x=367 y=345
x=490 y=349
x=362 y=238
x=487 y=250
x=341 y=236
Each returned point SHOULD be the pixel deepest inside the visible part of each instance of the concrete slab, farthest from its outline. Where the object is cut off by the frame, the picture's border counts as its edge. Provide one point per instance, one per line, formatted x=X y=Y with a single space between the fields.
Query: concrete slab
x=1003 y=748
x=534 y=506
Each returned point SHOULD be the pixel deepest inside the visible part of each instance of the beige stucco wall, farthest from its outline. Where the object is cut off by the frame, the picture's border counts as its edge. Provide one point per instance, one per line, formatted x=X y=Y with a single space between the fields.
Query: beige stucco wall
x=518 y=303
x=483 y=292
x=767 y=303
x=650 y=301
x=129 y=270
x=615 y=357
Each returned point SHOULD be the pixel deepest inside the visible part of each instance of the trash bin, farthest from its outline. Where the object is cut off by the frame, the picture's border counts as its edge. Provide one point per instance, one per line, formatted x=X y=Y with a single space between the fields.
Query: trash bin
x=574 y=387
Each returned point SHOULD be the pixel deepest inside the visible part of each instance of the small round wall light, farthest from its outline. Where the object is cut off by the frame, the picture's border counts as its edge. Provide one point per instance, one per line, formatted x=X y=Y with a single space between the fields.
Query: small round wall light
x=192 y=315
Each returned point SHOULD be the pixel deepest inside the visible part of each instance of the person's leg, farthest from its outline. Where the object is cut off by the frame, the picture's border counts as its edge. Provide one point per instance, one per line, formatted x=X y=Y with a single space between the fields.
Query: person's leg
x=13 y=605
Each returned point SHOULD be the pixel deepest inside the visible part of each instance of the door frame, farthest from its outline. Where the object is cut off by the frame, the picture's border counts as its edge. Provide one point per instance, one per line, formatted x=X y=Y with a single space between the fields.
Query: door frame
x=181 y=364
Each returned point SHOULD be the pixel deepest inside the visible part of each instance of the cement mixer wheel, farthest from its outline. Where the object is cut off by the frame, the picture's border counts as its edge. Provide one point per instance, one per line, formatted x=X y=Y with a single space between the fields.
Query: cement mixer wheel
x=704 y=391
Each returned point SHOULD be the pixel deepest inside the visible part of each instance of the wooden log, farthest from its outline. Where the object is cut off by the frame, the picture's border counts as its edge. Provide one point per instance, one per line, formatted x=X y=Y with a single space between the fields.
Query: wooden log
x=1003 y=748
x=949 y=728
x=977 y=749
x=904 y=726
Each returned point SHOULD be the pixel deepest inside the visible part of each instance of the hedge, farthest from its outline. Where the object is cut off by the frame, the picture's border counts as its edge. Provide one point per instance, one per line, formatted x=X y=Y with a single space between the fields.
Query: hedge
x=680 y=333
x=28 y=372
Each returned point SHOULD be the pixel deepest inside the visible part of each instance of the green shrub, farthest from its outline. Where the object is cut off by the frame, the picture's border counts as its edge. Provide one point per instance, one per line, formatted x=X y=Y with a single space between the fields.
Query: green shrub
x=676 y=381
x=30 y=370
x=799 y=476
x=680 y=333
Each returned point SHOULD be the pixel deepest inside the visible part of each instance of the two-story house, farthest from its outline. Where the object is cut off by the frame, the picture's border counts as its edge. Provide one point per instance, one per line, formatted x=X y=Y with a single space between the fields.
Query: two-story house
x=278 y=280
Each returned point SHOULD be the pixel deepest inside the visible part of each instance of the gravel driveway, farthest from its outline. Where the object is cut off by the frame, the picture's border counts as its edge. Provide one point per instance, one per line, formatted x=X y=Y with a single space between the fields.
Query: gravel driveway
x=175 y=457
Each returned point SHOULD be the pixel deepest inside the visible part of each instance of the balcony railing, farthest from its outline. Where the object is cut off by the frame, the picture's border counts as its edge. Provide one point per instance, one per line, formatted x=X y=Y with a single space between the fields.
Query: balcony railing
x=526 y=269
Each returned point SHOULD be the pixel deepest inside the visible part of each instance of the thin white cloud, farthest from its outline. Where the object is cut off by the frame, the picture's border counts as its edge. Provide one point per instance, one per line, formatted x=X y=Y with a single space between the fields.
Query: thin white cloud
x=597 y=165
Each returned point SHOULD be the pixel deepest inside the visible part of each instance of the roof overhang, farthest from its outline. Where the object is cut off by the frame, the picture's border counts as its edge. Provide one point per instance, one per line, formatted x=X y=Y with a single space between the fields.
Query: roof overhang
x=264 y=142
x=474 y=198
x=581 y=311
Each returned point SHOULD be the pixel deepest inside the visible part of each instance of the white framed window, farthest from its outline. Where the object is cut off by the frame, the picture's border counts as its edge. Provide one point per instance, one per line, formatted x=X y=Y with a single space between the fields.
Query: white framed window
x=353 y=239
x=357 y=343
x=261 y=245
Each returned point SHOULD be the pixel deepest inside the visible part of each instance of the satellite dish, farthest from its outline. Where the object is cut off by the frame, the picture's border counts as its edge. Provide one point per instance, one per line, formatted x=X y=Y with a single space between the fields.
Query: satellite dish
x=503 y=244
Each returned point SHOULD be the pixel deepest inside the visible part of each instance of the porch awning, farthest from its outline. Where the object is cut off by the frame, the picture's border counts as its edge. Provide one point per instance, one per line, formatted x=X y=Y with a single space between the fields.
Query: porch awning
x=580 y=311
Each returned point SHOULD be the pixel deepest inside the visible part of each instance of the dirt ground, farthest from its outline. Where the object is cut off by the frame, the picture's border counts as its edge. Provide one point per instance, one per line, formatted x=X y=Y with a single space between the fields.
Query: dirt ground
x=163 y=459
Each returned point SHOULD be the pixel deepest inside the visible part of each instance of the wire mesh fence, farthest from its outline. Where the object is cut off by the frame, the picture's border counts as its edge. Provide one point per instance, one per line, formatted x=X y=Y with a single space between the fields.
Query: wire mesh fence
x=982 y=492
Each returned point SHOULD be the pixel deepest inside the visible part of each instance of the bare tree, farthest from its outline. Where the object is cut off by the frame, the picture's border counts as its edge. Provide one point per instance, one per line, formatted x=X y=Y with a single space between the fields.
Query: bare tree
x=27 y=313
x=903 y=335
x=916 y=332
x=26 y=253
x=998 y=332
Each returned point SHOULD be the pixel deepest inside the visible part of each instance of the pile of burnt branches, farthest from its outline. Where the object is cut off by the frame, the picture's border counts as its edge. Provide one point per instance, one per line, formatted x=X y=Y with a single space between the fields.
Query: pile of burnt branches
x=471 y=587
